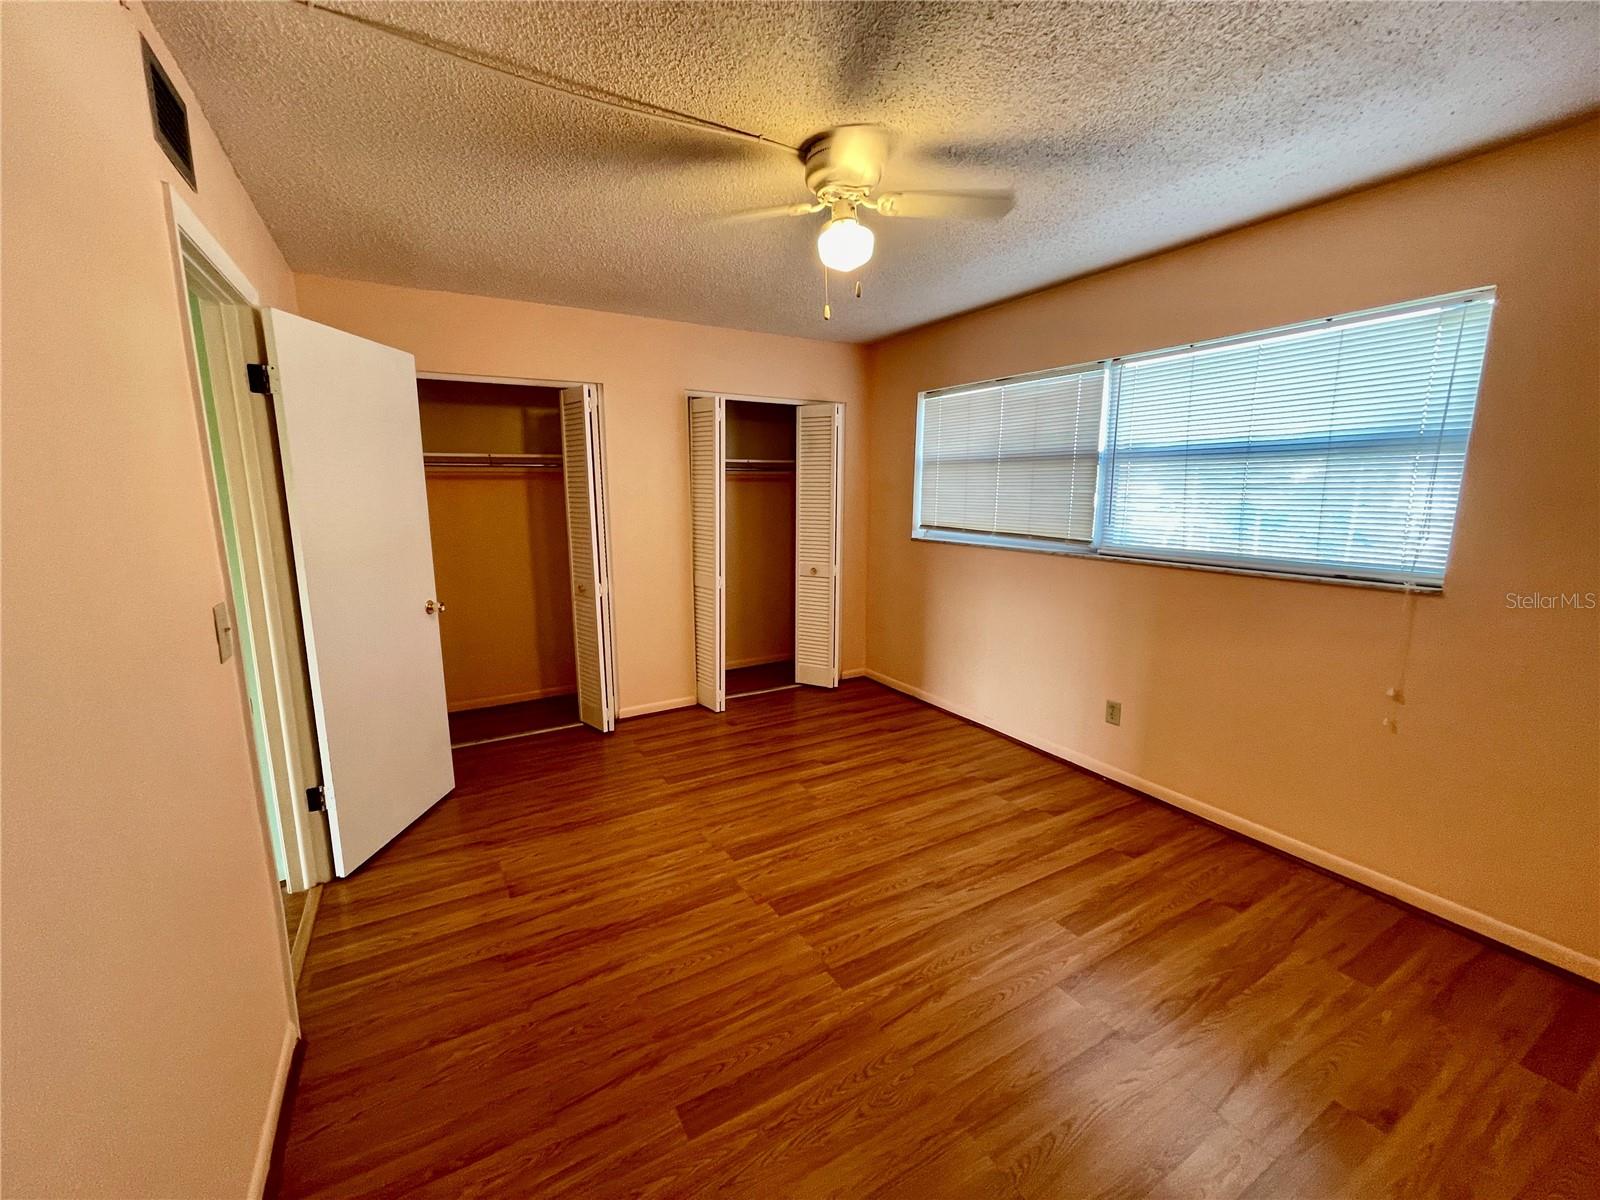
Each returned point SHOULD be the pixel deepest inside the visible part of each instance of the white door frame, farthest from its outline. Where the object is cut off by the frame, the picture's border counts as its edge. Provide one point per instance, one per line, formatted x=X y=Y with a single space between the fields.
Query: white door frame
x=838 y=506
x=190 y=239
x=264 y=605
x=507 y=380
x=608 y=643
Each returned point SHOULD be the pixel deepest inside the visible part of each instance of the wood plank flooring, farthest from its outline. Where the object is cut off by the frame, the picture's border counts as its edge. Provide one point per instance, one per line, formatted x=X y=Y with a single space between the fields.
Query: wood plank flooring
x=472 y=725
x=844 y=944
x=763 y=677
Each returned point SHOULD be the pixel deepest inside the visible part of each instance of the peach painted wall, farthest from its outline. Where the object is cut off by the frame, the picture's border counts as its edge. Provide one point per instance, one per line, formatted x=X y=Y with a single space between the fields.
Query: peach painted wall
x=759 y=510
x=500 y=560
x=500 y=565
x=145 y=1011
x=1263 y=698
x=645 y=366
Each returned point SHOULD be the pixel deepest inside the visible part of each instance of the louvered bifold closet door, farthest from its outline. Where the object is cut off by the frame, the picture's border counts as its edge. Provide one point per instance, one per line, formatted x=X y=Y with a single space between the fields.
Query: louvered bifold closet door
x=707 y=456
x=816 y=544
x=586 y=552
x=596 y=426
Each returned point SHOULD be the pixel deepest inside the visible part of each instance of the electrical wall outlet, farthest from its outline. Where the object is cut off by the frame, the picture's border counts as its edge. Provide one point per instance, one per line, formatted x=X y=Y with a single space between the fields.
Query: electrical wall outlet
x=1113 y=712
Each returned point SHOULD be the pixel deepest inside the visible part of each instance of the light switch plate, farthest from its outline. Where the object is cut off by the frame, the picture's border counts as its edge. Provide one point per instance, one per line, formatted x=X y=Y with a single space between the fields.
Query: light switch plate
x=222 y=622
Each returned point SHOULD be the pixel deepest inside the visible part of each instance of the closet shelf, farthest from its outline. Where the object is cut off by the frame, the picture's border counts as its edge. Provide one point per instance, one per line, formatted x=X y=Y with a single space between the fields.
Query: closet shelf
x=499 y=462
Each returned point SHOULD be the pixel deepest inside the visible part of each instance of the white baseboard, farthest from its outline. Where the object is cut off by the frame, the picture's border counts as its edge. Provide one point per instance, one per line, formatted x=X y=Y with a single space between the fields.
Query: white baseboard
x=1566 y=957
x=655 y=706
x=302 y=933
x=269 y=1132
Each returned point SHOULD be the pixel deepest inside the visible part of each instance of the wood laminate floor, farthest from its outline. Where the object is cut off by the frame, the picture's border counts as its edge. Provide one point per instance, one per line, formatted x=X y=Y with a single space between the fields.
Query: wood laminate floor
x=472 y=725
x=844 y=944
x=763 y=677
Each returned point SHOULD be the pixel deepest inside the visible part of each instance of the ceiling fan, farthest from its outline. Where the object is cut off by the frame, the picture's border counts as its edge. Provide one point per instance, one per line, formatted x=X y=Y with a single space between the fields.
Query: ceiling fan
x=842 y=168
x=843 y=165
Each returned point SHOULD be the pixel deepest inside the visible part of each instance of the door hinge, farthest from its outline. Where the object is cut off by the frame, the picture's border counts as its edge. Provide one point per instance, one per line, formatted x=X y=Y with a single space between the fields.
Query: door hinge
x=316 y=799
x=261 y=377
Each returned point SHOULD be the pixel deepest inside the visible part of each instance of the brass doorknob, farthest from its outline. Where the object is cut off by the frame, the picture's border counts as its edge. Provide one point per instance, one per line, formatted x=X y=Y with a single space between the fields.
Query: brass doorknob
x=432 y=606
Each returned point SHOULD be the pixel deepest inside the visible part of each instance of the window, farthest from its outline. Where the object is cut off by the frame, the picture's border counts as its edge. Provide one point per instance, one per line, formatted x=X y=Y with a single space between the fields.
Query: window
x=1332 y=449
x=1016 y=458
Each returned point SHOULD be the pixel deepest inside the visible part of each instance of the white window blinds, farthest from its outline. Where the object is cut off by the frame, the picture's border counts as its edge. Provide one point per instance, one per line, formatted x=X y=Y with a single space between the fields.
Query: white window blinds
x=1017 y=458
x=1332 y=449
x=1335 y=449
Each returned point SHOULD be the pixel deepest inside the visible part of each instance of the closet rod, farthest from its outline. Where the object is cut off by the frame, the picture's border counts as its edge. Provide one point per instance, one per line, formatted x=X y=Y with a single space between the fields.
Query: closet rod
x=524 y=462
x=775 y=465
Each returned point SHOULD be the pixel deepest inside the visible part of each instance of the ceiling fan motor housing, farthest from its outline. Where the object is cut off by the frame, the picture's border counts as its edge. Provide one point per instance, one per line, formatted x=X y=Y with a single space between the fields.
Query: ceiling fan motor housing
x=833 y=174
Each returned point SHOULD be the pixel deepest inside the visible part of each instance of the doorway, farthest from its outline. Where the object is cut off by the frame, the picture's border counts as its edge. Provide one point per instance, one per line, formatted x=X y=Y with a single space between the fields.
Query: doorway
x=516 y=502
x=312 y=440
x=261 y=622
x=758 y=503
x=765 y=489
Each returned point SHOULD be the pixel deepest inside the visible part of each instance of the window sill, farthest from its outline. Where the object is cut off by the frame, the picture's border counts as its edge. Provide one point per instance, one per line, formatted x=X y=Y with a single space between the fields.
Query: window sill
x=1068 y=550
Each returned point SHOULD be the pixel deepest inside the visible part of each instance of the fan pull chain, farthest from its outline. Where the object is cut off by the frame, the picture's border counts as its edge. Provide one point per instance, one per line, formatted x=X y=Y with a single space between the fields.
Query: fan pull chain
x=827 y=308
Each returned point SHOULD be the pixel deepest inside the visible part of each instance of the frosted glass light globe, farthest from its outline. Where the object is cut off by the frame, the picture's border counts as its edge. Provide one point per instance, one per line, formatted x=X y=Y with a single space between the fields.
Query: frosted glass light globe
x=844 y=244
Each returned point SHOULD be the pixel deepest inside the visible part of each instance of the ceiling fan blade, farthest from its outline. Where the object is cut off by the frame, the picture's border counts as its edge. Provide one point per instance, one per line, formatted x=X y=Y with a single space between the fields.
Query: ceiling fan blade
x=967 y=205
x=799 y=209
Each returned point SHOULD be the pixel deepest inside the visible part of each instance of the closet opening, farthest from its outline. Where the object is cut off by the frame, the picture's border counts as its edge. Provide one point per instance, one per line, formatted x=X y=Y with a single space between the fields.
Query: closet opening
x=517 y=513
x=764 y=491
x=758 y=502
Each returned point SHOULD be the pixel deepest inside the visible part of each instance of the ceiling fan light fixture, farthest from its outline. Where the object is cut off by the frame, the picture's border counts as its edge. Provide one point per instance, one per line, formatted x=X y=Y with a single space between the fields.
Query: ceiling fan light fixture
x=844 y=244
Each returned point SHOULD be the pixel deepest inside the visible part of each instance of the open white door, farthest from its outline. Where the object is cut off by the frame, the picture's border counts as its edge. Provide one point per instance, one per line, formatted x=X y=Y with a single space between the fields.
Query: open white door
x=351 y=449
x=816 y=544
x=589 y=556
x=707 y=458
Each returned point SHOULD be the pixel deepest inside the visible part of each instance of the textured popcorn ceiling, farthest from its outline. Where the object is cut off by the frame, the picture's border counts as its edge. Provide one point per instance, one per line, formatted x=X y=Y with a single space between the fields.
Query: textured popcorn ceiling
x=1125 y=128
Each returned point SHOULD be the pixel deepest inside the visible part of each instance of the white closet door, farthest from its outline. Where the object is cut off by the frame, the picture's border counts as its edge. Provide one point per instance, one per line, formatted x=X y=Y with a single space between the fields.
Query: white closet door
x=589 y=555
x=816 y=544
x=602 y=509
x=707 y=457
x=351 y=447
